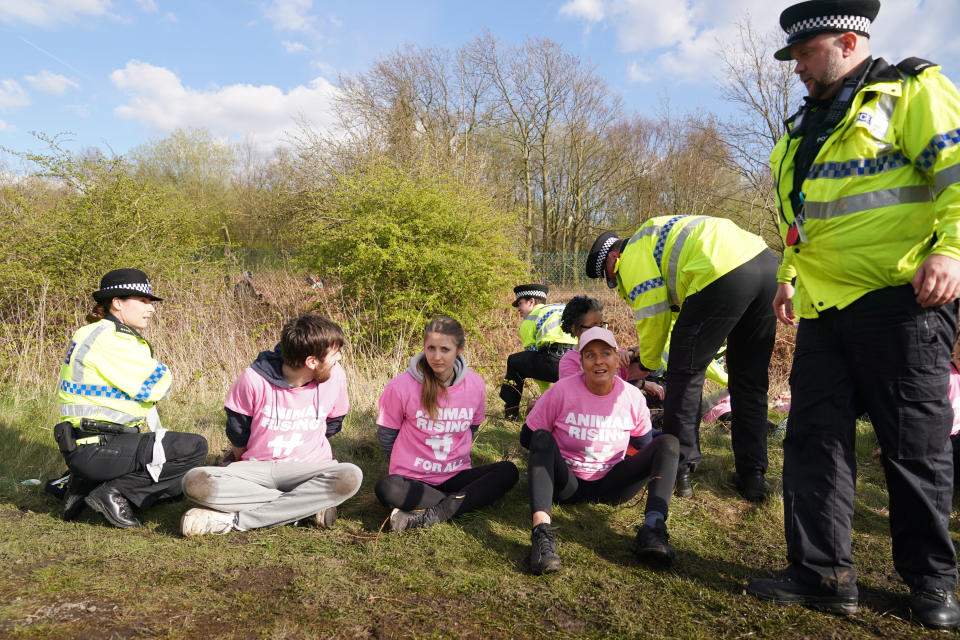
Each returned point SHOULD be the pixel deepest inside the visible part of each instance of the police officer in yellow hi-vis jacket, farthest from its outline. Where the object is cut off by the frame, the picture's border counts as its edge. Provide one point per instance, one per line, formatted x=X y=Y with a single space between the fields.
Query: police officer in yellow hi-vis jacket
x=116 y=449
x=721 y=280
x=544 y=343
x=868 y=186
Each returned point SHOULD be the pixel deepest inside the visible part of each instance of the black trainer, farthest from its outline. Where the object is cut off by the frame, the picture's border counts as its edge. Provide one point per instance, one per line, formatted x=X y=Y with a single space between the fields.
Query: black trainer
x=113 y=506
x=752 y=486
x=934 y=608
x=786 y=589
x=403 y=520
x=543 y=552
x=683 y=489
x=651 y=545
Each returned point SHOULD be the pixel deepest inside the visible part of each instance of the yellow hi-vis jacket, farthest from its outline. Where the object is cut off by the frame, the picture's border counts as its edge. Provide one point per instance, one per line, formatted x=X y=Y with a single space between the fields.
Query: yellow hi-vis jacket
x=670 y=258
x=109 y=374
x=542 y=326
x=528 y=328
x=882 y=194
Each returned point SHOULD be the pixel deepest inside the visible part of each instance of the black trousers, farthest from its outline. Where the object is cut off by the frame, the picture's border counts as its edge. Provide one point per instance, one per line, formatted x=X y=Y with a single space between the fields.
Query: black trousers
x=737 y=308
x=120 y=461
x=539 y=365
x=551 y=480
x=886 y=356
x=468 y=490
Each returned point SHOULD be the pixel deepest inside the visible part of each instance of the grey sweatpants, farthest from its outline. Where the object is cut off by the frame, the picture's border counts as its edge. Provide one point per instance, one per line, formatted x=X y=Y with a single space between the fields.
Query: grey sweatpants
x=266 y=493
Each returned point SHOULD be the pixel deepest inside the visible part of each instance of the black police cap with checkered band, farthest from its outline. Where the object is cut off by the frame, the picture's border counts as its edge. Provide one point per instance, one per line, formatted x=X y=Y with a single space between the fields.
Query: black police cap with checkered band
x=807 y=19
x=120 y=283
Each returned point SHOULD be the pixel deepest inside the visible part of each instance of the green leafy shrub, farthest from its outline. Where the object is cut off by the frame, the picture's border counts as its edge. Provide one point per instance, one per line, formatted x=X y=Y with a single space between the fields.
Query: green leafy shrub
x=407 y=246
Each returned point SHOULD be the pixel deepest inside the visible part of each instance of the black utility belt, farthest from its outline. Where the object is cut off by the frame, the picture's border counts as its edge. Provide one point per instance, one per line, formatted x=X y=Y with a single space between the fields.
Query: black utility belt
x=555 y=348
x=106 y=428
x=89 y=432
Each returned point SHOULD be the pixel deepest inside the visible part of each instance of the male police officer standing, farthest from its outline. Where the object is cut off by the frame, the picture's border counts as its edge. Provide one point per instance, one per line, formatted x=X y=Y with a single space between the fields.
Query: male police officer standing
x=868 y=184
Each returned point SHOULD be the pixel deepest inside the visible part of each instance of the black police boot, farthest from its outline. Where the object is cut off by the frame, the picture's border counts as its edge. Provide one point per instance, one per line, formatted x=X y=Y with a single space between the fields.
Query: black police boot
x=787 y=589
x=110 y=503
x=752 y=486
x=682 y=488
x=934 y=608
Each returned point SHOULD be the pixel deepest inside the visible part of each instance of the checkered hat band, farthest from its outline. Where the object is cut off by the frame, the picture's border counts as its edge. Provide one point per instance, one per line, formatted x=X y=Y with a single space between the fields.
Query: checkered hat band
x=602 y=254
x=535 y=293
x=839 y=23
x=142 y=287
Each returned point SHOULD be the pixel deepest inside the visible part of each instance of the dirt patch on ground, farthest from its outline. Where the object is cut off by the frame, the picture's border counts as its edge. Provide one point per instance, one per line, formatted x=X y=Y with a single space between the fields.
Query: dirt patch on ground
x=269 y=583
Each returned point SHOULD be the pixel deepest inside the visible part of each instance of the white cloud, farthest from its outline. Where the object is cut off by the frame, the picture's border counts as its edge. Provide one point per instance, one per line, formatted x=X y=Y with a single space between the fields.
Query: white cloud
x=158 y=99
x=679 y=39
x=170 y=16
x=294 y=47
x=49 y=82
x=589 y=10
x=3 y=126
x=148 y=6
x=80 y=110
x=45 y=13
x=12 y=94
x=292 y=15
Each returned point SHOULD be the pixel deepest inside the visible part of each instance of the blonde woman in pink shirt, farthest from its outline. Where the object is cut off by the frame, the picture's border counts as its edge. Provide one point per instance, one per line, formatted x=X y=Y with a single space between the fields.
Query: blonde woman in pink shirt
x=427 y=418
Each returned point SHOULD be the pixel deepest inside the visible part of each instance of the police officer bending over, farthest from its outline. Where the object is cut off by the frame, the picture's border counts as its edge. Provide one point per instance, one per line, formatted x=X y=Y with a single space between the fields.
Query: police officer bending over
x=110 y=435
x=868 y=185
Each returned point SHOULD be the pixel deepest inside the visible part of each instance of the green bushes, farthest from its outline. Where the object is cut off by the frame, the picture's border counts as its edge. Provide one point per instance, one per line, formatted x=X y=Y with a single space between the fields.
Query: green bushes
x=405 y=247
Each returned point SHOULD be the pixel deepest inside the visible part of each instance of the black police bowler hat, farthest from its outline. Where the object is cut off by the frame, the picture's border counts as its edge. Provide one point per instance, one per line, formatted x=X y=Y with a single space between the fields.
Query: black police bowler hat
x=530 y=291
x=120 y=283
x=598 y=256
x=807 y=19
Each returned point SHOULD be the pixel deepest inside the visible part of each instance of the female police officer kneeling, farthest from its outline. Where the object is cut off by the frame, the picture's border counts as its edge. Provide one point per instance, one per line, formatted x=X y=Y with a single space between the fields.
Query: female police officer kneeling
x=110 y=434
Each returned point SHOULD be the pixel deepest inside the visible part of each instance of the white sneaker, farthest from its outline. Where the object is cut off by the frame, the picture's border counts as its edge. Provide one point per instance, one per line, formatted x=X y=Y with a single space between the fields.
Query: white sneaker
x=198 y=522
x=325 y=519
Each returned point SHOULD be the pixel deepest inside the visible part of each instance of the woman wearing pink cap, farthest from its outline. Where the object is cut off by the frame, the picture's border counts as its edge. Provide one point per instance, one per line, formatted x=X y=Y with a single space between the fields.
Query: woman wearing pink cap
x=578 y=434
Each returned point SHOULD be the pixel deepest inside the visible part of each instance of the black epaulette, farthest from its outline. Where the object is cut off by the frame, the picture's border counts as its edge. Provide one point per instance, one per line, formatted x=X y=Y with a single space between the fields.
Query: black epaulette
x=913 y=66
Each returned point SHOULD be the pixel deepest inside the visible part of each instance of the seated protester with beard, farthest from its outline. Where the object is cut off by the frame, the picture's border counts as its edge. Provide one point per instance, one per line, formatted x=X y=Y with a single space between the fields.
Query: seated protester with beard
x=426 y=423
x=578 y=434
x=281 y=412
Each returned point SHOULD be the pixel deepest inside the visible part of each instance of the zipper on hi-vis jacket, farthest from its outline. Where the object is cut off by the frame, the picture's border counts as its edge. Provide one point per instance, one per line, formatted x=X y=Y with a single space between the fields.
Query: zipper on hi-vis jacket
x=796 y=233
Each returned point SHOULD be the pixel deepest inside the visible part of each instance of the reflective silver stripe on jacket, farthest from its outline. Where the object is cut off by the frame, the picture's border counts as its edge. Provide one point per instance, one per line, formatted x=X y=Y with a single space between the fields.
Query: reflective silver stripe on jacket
x=643 y=233
x=81 y=352
x=866 y=201
x=947 y=177
x=90 y=411
x=675 y=256
x=652 y=310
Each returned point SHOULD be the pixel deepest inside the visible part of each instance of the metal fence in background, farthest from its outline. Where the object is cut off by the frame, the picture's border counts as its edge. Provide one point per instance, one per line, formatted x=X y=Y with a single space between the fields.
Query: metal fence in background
x=561 y=269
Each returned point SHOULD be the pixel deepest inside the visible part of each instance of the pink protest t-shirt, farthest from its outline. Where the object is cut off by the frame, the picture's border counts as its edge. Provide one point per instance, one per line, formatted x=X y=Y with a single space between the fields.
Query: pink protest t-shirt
x=570 y=365
x=592 y=431
x=428 y=449
x=289 y=425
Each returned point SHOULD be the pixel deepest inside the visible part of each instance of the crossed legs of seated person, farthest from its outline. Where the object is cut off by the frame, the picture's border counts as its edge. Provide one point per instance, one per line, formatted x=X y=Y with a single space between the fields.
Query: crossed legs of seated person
x=253 y=494
x=551 y=480
x=415 y=503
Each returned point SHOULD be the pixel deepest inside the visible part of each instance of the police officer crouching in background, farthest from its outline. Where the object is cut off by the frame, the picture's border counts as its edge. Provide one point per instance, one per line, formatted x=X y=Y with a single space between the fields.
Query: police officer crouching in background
x=110 y=435
x=868 y=188
x=544 y=343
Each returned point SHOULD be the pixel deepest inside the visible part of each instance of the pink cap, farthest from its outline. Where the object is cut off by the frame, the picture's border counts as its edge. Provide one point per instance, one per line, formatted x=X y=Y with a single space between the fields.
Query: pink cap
x=596 y=333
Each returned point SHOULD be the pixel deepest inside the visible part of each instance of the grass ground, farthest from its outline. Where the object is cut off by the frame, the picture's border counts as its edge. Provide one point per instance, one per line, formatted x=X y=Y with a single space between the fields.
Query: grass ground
x=463 y=579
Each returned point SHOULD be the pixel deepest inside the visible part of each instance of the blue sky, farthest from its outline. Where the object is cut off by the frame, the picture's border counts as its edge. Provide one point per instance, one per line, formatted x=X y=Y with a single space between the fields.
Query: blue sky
x=117 y=73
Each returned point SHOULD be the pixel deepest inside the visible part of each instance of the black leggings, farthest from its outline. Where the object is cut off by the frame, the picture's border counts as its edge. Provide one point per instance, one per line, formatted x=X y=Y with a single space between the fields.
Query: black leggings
x=552 y=480
x=466 y=491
